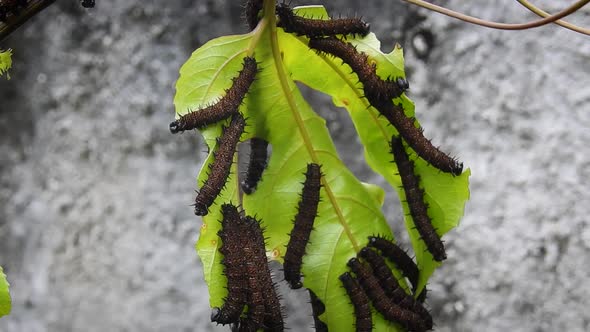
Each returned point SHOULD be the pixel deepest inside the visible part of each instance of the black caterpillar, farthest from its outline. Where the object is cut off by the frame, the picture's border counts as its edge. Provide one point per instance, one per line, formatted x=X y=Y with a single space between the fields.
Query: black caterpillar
x=390 y=311
x=220 y=168
x=375 y=88
x=225 y=107
x=256 y=165
x=251 y=10
x=360 y=302
x=233 y=237
x=303 y=225
x=400 y=258
x=392 y=288
x=250 y=283
x=415 y=200
x=314 y=28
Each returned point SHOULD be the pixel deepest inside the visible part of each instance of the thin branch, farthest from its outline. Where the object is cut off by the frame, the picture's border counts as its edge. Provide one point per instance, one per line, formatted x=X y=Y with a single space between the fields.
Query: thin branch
x=14 y=22
x=496 y=25
x=563 y=23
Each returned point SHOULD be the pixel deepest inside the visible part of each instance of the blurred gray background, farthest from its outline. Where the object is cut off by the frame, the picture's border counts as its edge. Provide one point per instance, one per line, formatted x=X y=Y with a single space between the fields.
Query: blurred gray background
x=96 y=231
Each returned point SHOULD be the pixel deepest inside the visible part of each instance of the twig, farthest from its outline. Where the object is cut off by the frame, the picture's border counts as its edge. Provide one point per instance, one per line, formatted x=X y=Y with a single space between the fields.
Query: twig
x=563 y=23
x=496 y=25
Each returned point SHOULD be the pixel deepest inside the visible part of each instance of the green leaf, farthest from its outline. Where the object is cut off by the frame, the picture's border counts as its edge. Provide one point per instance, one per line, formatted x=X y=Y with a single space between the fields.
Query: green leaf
x=349 y=210
x=445 y=194
x=5 y=62
x=203 y=79
x=5 y=303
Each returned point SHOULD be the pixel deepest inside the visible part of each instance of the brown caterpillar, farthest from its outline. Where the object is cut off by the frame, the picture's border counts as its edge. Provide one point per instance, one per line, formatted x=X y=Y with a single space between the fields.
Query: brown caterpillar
x=375 y=88
x=317 y=308
x=256 y=165
x=381 y=302
x=264 y=308
x=314 y=28
x=360 y=301
x=220 y=168
x=415 y=200
x=251 y=10
x=255 y=255
x=225 y=107
x=232 y=237
x=303 y=225
x=379 y=94
x=392 y=288
x=400 y=258
x=254 y=263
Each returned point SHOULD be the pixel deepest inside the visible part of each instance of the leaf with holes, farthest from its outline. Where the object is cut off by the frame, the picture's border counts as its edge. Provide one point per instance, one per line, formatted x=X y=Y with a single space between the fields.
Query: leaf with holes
x=275 y=111
x=445 y=194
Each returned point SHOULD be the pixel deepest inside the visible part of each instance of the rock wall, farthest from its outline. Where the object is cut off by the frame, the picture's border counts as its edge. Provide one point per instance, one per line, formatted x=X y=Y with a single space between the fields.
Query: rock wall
x=96 y=232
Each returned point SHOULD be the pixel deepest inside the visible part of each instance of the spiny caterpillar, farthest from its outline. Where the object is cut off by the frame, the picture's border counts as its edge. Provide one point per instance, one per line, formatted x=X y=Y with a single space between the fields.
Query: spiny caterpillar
x=251 y=10
x=254 y=263
x=220 y=168
x=381 y=302
x=379 y=94
x=249 y=279
x=392 y=288
x=303 y=225
x=261 y=281
x=314 y=28
x=375 y=88
x=233 y=238
x=225 y=107
x=400 y=258
x=256 y=165
x=415 y=200
x=360 y=302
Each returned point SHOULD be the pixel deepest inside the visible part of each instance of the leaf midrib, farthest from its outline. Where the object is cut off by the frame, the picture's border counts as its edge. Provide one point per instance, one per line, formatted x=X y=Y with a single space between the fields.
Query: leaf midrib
x=276 y=53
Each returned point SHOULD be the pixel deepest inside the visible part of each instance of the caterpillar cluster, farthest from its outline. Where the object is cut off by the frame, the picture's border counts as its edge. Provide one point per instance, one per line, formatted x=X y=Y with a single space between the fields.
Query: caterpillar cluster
x=401 y=259
x=249 y=282
x=360 y=302
x=251 y=11
x=224 y=107
x=252 y=302
x=376 y=284
x=379 y=93
x=220 y=168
